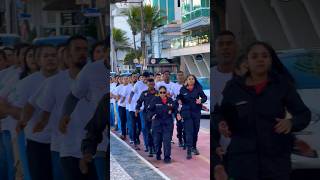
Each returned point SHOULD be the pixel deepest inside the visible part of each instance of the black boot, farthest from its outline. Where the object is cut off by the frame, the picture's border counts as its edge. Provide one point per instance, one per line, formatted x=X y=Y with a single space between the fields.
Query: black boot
x=150 y=152
x=167 y=160
x=180 y=143
x=189 y=155
x=158 y=157
x=195 y=151
x=146 y=149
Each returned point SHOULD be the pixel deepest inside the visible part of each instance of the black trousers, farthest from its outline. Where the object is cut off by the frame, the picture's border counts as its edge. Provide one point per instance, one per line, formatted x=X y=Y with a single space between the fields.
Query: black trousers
x=148 y=124
x=39 y=160
x=71 y=170
x=162 y=134
x=180 y=131
x=136 y=126
x=192 y=126
x=123 y=118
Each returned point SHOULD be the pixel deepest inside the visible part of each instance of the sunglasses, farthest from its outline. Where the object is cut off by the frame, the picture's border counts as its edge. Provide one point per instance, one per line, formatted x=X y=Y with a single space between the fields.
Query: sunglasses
x=163 y=92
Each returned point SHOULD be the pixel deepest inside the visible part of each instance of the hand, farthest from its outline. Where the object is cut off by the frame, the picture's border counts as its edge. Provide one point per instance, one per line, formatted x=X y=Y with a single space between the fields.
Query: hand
x=83 y=164
x=198 y=101
x=21 y=125
x=169 y=112
x=283 y=126
x=224 y=129
x=220 y=152
x=220 y=173
x=179 y=117
x=39 y=126
x=129 y=100
x=64 y=124
x=136 y=113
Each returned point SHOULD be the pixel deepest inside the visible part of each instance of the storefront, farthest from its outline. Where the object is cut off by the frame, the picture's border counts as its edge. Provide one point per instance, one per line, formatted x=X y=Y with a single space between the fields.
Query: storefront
x=156 y=65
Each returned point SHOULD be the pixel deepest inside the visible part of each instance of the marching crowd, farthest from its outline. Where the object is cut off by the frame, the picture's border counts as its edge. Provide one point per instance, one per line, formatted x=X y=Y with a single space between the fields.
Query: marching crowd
x=52 y=100
x=148 y=104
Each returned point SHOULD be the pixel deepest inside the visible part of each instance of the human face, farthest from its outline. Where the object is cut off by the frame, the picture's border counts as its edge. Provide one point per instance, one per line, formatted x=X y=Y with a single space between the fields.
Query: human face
x=10 y=57
x=158 y=78
x=151 y=85
x=125 y=80
x=259 y=60
x=226 y=49
x=180 y=77
x=134 y=78
x=166 y=76
x=49 y=60
x=98 y=53
x=162 y=92
x=79 y=52
x=190 y=80
x=31 y=62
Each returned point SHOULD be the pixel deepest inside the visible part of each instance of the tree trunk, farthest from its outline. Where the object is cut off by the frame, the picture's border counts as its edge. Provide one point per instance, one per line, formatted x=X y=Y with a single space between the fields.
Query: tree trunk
x=134 y=42
x=150 y=37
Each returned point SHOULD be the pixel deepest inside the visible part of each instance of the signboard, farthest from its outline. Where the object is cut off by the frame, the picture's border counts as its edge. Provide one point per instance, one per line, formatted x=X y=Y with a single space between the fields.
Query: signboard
x=91 y=12
x=155 y=61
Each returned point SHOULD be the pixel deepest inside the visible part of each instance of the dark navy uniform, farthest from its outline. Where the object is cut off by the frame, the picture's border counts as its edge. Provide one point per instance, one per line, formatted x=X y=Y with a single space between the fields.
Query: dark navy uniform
x=146 y=98
x=256 y=151
x=191 y=113
x=162 y=124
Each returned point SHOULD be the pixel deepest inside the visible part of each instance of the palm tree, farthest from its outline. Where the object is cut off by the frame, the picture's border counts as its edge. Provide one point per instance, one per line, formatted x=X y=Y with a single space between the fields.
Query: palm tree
x=134 y=21
x=120 y=40
x=152 y=19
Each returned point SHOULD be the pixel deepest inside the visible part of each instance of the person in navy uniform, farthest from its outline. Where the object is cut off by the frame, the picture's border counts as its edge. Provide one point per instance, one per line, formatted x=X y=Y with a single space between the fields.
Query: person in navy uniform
x=254 y=108
x=146 y=98
x=191 y=97
x=162 y=107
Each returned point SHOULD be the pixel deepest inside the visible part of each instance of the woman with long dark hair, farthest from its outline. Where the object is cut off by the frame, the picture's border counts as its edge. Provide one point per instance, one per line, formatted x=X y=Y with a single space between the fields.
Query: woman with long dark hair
x=254 y=107
x=29 y=64
x=191 y=97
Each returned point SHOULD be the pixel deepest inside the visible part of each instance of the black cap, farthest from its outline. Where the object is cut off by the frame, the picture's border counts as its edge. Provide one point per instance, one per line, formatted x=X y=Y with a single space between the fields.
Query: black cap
x=146 y=74
x=150 y=80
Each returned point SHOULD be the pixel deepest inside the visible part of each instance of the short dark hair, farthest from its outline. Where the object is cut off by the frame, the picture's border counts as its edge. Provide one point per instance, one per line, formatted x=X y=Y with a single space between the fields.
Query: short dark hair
x=76 y=37
x=150 y=80
x=226 y=33
x=158 y=74
x=180 y=72
x=166 y=72
x=162 y=87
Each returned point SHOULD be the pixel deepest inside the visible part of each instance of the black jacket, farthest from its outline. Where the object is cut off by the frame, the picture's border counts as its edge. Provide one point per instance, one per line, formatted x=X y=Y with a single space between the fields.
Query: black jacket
x=96 y=126
x=161 y=112
x=188 y=99
x=252 y=119
x=146 y=98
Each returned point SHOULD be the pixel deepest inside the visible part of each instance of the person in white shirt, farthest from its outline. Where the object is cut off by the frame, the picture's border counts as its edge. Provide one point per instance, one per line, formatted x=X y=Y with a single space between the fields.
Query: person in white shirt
x=123 y=93
x=116 y=94
x=180 y=129
x=167 y=83
x=89 y=87
x=38 y=145
x=113 y=85
x=158 y=78
x=65 y=148
x=138 y=88
x=9 y=80
x=226 y=50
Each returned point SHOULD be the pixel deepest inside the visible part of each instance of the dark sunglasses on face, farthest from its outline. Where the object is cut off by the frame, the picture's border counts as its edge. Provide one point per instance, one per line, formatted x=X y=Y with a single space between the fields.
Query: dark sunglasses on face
x=163 y=92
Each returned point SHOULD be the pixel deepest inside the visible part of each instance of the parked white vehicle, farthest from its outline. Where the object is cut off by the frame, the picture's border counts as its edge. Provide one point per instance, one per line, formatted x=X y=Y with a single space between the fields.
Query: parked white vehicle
x=304 y=66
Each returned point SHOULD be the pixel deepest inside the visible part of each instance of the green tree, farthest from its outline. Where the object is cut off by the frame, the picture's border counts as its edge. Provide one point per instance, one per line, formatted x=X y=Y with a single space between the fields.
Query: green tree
x=134 y=21
x=120 y=40
x=152 y=19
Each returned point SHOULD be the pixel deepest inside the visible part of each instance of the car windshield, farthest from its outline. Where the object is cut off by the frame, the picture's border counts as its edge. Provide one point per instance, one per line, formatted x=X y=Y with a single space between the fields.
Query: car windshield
x=304 y=67
x=204 y=81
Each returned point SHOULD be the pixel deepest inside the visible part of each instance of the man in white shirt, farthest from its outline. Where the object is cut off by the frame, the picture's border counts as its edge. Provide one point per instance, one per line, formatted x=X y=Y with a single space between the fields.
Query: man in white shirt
x=226 y=51
x=51 y=102
x=138 y=88
x=129 y=120
x=123 y=92
x=38 y=145
x=167 y=83
x=180 y=129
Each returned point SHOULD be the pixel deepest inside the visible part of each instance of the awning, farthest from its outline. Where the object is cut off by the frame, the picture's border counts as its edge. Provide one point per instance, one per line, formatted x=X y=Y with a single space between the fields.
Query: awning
x=61 y=5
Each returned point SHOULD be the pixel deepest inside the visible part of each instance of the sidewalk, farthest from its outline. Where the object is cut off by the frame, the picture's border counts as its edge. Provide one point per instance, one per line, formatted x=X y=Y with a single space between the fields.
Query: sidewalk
x=180 y=167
